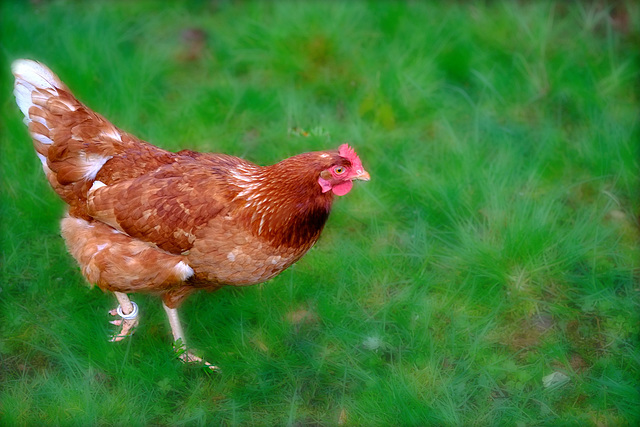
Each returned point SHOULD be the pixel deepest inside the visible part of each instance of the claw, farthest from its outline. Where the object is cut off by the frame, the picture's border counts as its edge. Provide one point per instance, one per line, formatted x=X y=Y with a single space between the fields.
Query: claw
x=186 y=356
x=189 y=357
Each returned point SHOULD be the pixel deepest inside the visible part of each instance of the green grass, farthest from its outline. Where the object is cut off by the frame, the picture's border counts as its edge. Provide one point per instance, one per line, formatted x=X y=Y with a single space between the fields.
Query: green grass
x=496 y=244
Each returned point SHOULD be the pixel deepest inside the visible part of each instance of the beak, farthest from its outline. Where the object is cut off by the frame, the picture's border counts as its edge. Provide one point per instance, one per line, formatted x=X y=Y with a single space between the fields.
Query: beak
x=364 y=176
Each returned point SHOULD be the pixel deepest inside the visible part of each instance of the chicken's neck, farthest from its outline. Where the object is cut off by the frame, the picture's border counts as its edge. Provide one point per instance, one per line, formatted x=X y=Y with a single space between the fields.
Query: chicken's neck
x=287 y=210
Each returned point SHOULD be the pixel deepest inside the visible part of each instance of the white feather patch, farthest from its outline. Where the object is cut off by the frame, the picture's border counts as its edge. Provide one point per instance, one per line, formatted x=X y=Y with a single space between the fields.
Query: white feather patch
x=96 y=185
x=38 y=119
x=93 y=165
x=43 y=159
x=23 y=98
x=41 y=138
x=32 y=77
x=183 y=270
x=111 y=133
x=34 y=73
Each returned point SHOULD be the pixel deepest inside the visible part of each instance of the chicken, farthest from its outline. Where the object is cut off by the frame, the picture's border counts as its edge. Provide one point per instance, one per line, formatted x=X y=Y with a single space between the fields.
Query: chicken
x=142 y=219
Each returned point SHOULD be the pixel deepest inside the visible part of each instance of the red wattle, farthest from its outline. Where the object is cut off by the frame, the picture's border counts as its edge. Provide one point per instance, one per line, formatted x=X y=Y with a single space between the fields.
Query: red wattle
x=342 y=188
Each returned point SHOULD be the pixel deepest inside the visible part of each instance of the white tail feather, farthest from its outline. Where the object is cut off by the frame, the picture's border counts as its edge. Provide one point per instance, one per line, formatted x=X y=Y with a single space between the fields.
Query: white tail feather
x=30 y=76
x=41 y=138
x=35 y=86
x=35 y=74
x=23 y=98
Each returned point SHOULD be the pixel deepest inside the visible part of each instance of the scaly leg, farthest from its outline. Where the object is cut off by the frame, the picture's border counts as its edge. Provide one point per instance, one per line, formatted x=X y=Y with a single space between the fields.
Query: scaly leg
x=180 y=341
x=128 y=312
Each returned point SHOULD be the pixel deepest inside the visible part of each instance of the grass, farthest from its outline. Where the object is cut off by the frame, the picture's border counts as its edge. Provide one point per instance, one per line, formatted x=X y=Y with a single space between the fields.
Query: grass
x=496 y=245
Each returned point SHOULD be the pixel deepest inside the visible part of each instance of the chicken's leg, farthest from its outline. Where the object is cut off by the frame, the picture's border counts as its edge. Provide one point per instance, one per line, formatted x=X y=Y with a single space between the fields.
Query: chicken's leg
x=179 y=339
x=128 y=312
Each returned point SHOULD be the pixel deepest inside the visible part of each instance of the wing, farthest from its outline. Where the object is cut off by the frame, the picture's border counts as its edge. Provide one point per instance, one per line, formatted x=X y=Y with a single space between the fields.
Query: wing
x=167 y=206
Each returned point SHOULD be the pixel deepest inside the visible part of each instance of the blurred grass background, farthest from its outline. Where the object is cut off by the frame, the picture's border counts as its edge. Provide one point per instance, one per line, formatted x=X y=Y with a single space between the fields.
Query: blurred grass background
x=487 y=275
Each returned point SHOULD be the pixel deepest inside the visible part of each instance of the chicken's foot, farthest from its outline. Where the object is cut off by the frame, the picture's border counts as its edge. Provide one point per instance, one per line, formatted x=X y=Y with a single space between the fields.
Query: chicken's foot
x=180 y=344
x=128 y=313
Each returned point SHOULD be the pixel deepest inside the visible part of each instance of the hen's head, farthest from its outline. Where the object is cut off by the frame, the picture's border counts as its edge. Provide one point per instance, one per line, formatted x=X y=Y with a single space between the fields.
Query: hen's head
x=344 y=169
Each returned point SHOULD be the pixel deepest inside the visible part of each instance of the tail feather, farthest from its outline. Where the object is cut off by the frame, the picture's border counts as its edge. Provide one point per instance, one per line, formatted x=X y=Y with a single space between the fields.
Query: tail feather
x=72 y=142
x=30 y=76
x=35 y=74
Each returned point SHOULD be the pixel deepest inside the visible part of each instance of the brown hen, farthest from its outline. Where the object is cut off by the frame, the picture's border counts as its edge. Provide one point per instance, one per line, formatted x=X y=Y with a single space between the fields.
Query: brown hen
x=142 y=219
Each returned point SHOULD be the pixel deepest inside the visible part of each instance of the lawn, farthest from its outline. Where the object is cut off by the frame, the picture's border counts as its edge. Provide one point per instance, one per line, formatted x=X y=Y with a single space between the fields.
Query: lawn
x=488 y=274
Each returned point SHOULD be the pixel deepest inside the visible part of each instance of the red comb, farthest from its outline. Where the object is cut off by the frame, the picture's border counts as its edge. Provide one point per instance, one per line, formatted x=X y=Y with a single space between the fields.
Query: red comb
x=349 y=154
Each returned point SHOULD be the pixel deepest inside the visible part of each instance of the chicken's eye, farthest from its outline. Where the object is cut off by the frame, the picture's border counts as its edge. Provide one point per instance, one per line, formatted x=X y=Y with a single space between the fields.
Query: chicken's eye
x=339 y=170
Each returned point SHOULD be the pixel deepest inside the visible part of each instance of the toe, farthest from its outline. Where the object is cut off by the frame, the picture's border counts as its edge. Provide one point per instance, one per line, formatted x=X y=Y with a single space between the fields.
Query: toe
x=127 y=327
x=189 y=357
